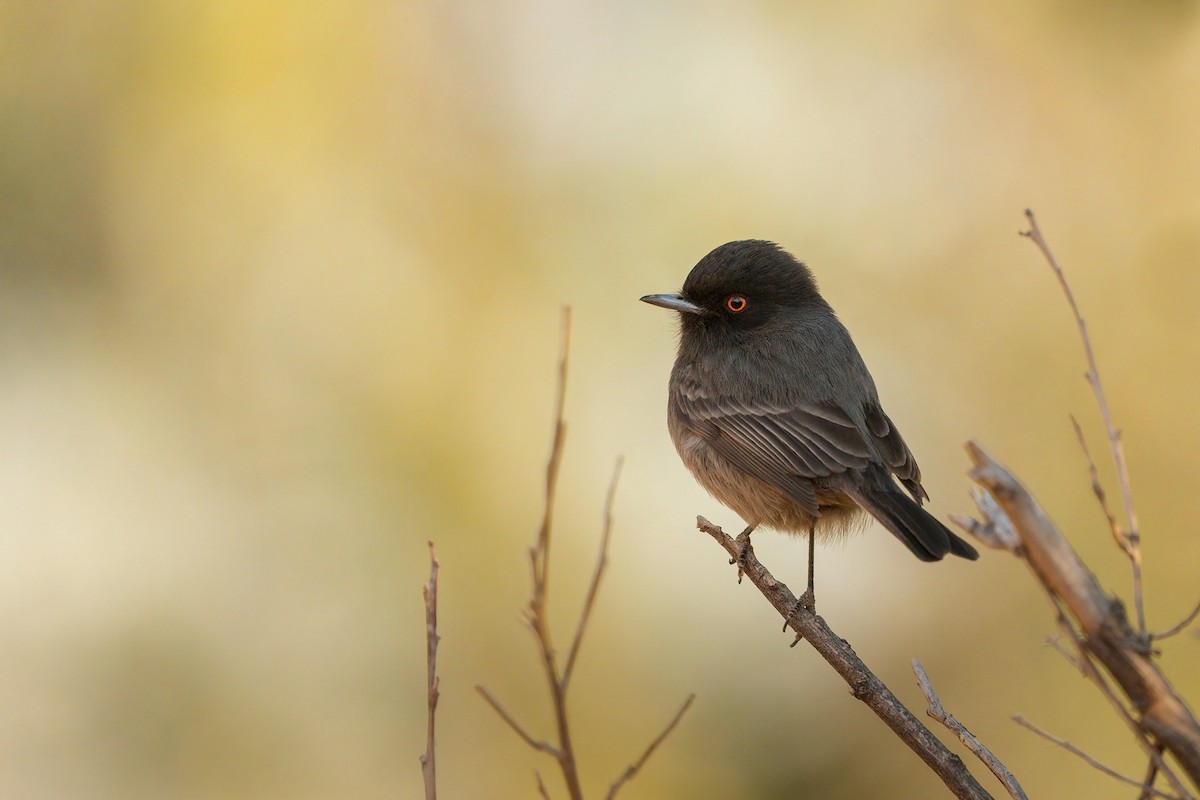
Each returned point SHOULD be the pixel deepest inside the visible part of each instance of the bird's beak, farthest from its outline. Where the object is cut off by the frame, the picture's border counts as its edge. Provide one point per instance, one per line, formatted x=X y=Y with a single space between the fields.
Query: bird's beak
x=675 y=302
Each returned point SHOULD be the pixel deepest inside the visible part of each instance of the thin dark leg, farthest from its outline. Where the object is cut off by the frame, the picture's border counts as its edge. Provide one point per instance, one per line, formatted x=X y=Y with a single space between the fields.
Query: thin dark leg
x=744 y=549
x=808 y=600
x=810 y=594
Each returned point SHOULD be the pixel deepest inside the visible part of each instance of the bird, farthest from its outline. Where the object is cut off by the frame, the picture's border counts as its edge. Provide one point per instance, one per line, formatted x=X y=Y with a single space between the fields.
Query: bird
x=772 y=409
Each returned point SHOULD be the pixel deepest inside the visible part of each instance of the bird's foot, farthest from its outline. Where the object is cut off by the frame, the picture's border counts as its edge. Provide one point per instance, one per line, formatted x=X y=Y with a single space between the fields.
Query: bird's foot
x=744 y=549
x=807 y=602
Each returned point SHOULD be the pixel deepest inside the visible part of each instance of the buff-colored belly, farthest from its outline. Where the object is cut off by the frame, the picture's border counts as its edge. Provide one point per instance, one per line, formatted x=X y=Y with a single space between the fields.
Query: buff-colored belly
x=759 y=503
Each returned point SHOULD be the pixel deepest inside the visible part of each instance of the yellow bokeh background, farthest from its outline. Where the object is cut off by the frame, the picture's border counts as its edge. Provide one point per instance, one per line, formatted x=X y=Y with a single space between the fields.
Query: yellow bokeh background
x=280 y=289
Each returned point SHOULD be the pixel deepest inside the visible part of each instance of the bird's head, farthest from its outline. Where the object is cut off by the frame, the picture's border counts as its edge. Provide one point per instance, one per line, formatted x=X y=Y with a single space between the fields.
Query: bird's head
x=741 y=285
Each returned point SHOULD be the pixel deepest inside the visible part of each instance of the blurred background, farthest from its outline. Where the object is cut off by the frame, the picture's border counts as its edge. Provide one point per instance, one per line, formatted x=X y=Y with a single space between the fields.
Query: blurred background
x=280 y=293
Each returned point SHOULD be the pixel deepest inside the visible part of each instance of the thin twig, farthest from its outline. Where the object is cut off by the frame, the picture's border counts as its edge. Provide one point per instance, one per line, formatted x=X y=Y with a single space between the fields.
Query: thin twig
x=541 y=551
x=1132 y=536
x=540 y=558
x=1070 y=748
x=536 y=616
x=541 y=786
x=938 y=712
x=1098 y=490
x=536 y=744
x=594 y=587
x=429 y=592
x=1071 y=658
x=863 y=683
x=1148 y=781
x=634 y=768
x=1178 y=628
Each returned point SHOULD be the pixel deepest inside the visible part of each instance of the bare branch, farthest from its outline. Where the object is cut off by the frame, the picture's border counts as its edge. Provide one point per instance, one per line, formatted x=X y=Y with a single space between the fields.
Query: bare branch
x=536 y=744
x=1178 y=627
x=429 y=592
x=541 y=551
x=1147 y=790
x=601 y=563
x=1148 y=782
x=994 y=531
x=1132 y=536
x=634 y=768
x=541 y=786
x=864 y=685
x=938 y=712
x=1098 y=490
x=537 y=619
x=1158 y=715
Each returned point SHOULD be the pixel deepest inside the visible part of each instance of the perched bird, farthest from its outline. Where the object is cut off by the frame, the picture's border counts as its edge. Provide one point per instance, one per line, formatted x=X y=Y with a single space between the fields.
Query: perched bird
x=774 y=412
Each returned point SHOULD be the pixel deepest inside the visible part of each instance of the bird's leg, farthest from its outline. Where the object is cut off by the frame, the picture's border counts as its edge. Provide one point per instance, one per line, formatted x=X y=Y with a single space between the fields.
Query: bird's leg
x=808 y=600
x=744 y=549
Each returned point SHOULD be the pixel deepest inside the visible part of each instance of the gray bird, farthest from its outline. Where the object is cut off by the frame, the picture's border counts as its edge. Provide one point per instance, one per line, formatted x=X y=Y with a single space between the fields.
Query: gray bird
x=774 y=412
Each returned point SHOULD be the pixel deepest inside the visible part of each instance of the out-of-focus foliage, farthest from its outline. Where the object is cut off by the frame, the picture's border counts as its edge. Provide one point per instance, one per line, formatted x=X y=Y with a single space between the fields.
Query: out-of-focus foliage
x=279 y=296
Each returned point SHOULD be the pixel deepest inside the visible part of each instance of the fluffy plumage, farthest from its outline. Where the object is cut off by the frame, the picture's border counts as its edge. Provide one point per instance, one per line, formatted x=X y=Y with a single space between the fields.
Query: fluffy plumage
x=773 y=410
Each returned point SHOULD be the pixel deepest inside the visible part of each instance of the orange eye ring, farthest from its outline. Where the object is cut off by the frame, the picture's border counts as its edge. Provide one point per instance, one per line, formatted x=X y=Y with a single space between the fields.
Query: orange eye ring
x=736 y=303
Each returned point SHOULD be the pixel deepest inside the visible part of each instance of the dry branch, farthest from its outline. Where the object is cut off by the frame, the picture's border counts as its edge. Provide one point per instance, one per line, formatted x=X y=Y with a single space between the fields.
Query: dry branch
x=1147 y=789
x=864 y=685
x=636 y=766
x=1131 y=537
x=558 y=680
x=1104 y=631
x=938 y=712
x=429 y=592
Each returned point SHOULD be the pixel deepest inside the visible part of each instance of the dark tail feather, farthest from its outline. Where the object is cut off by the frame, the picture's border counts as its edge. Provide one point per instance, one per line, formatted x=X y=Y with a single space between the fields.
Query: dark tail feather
x=928 y=539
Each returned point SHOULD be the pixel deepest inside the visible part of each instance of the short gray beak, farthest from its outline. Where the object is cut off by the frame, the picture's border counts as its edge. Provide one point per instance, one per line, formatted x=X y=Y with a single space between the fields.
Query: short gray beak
x=675 y=302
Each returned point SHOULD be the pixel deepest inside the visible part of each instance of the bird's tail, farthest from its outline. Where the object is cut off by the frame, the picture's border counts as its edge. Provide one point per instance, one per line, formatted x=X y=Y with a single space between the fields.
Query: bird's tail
x=920 y=531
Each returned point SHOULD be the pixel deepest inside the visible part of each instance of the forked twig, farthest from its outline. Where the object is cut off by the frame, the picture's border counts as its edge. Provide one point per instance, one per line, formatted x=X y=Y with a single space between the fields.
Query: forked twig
x=429 y=592
x=1133 y=549
x=938 y=712
x=558 y=680
x=1147 y=790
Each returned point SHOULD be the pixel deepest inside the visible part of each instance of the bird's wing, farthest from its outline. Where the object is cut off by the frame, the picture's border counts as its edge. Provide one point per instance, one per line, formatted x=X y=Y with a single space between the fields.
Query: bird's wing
x=789 y=445
x=785 y=446
x=896 y=455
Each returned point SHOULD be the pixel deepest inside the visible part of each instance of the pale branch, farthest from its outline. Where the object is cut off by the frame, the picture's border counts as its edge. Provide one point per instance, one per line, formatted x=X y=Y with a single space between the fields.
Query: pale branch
x=1080 y=658
x=536 y=744
x=938 y=712
x=1147 y=790
x=633 y=769
x=1132 y=535
x=1158 y=712
x=594 y=587
x=994 y=531
x=864 y=685
x=429 y=592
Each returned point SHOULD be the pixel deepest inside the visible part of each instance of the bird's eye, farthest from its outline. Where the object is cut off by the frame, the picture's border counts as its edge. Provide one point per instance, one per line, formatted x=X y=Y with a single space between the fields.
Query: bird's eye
x=736 y=303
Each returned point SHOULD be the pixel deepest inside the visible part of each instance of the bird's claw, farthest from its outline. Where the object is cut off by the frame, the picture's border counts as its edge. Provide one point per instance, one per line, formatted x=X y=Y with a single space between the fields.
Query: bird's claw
x=744 y=550
x=806 y=601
